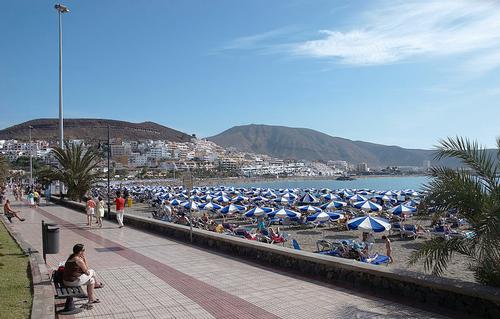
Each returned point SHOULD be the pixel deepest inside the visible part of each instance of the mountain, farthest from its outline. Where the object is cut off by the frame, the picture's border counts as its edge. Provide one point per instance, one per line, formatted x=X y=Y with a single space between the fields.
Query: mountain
x=93 y=129
x=306 y=144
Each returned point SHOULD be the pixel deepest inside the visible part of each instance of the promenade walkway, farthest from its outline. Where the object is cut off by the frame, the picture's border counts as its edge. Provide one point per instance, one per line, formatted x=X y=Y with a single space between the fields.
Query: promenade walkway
x=149 y=276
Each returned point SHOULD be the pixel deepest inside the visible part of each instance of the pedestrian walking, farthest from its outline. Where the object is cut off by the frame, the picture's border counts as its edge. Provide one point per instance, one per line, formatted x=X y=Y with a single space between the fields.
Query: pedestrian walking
x=100 y=211
x=388 y=247
x=90 y=211
x=120 y=208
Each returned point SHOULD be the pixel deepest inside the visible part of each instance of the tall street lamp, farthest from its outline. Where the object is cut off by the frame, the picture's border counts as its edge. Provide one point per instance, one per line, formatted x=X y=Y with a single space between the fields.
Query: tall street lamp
x=31 y=159
x=61 y=9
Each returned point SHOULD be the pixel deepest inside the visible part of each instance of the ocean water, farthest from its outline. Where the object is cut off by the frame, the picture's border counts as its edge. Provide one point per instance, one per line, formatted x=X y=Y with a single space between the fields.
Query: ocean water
x=376 y=183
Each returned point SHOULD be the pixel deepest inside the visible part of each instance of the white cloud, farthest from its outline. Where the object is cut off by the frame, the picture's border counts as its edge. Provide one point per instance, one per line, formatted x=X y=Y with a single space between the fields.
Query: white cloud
x=415 y=29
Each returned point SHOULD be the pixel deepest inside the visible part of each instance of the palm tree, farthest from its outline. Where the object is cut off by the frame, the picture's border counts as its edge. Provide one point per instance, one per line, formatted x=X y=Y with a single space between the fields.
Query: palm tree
x=76 y=168
x=475 y=192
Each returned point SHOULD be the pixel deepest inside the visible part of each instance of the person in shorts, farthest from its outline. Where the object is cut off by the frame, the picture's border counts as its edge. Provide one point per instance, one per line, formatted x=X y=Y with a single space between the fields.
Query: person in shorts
x=77 y=273
x=100 y=211
x=90 y=211
x=120 y=209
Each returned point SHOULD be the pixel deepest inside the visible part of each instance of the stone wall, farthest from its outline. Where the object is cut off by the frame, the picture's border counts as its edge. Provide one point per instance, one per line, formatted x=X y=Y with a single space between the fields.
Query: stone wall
x=423 y=291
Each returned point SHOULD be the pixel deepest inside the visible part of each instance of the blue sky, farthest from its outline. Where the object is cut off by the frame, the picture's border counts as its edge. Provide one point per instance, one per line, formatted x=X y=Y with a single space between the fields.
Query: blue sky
x=402 y=73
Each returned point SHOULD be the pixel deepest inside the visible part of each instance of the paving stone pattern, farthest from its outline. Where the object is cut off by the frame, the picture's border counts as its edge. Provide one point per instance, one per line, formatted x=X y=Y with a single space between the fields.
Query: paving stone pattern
x=149 y=276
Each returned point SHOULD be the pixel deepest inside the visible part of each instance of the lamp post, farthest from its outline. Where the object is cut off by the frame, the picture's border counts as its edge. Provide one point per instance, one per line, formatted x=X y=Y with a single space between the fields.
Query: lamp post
x=31 y=158
x=60 y=9
x=109 y=155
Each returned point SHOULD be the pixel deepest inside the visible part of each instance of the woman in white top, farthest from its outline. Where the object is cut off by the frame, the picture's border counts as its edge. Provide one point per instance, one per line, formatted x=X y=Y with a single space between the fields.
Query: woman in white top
x=100 y=211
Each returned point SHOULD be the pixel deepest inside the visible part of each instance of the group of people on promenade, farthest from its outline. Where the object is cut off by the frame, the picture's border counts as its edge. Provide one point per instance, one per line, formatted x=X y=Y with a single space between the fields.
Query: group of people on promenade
x=95 y=207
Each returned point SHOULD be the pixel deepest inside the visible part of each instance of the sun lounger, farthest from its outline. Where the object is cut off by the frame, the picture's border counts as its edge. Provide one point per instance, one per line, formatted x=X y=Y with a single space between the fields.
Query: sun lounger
x=395 y=228
x=439 y=232
x=378 y=260
x=409 y=231
x=296 y=245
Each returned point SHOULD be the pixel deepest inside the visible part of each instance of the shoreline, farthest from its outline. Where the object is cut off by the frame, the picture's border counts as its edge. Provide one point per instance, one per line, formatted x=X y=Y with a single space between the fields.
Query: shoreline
x=249 y=180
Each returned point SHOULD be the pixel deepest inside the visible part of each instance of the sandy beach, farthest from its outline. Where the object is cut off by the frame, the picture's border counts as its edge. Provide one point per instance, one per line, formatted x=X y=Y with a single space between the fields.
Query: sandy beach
x=402 y=248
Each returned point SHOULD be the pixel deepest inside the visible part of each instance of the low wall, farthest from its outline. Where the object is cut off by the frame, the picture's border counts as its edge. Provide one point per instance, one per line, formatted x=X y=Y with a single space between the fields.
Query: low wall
x=43 y=293
x=423 y=291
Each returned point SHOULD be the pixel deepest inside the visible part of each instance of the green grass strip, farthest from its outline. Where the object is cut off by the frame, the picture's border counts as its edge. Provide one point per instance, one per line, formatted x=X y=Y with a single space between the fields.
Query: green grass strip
x=15 y=283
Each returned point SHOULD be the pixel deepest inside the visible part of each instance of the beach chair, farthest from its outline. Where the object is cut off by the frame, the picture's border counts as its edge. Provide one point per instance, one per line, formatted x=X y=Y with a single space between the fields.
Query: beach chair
x=323 y=245
x=409 y=231
x=377 y=260
x=296 y=244
x=438 y=231
x=395 y=228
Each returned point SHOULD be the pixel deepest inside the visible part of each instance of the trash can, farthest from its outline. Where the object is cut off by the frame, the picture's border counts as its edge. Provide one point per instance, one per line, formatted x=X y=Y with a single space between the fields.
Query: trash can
x=129 y=202
x=52 y=244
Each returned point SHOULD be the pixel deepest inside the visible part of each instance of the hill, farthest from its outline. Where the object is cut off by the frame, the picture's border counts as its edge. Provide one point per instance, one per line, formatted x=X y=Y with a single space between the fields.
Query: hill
x=307 y=144
x=93 y=129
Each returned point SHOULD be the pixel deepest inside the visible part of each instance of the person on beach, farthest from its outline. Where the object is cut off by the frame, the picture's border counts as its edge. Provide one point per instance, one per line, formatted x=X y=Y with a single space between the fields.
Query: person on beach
x=90 y=211
x=9 y=212
x=388 y=247
x=100 y=211
x=120 y=209
x=77 y=273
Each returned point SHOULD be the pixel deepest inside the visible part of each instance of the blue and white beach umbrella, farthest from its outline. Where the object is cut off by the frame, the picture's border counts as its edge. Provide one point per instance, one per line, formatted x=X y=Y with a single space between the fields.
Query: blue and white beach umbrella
x=289 y=196
x=232 y=208
x=309 y=209
x=259 y=199
x=368 y=223
x=356 y=198
x=402 y=209
x=190 y=205
x=239 y=199
x=222 y=199
x=330 y=197
x=308 y=199
x=334 y=204
x=412 y=203
x=257 y=211
x=368 y=206
x=324 y=216
x=175 y=202
x=210 y=206
x=284 y=213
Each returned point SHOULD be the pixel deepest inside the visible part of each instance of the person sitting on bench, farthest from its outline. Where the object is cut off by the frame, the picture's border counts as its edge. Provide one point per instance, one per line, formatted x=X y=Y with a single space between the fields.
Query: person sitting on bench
x=77 y=273
x=9 y=212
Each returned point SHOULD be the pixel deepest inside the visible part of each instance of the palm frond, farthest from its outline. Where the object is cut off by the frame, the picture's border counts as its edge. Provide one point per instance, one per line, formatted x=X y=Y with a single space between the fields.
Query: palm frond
x=437 y=253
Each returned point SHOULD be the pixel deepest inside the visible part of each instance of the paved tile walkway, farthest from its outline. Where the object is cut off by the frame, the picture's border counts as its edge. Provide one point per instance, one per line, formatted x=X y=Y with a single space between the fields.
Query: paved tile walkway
x=148 y=276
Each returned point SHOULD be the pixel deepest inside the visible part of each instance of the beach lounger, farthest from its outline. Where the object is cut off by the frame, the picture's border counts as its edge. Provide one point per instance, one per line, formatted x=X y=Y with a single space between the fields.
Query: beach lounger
x=379 y=260
x=296 y=245
x=395 y=228
x=409 y=231
x=439 y=232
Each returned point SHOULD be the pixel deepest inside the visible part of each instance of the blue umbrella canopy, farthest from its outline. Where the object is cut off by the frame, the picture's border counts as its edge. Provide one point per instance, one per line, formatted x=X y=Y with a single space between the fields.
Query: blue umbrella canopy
x=239 y=198
x=257 y=211
x=356 y=198
x=330 y=197
x=368 y=206
x=210 y=206
x=283 y=213
x=222 y=199
x=232 y=208
x=368 y=223
x=309 y=209
x=334 y=204
x=324 y=216
x=191 y=205
x=402 y=209
x=308 y=199
x=175 y=202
